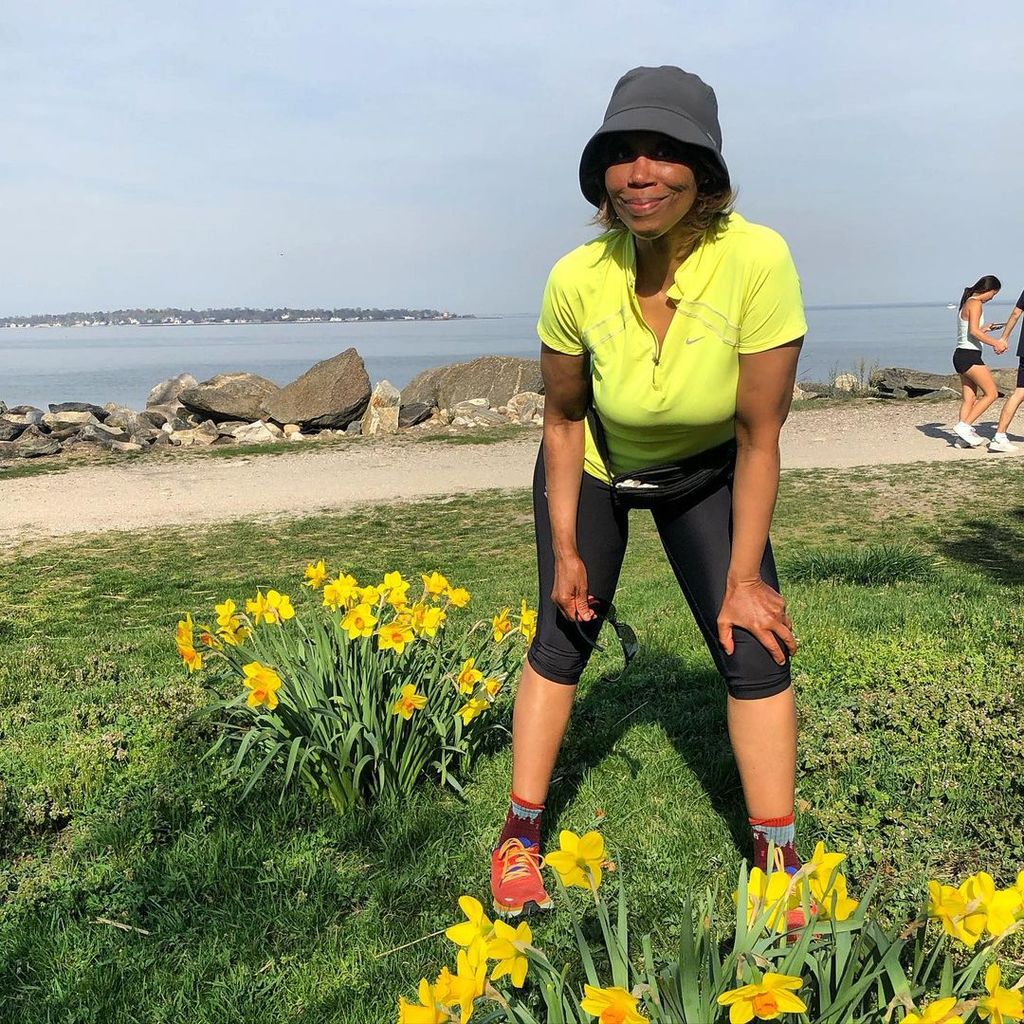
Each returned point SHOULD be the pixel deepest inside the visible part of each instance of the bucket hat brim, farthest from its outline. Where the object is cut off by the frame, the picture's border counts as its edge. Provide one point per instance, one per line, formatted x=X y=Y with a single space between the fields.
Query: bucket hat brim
x=672 y=123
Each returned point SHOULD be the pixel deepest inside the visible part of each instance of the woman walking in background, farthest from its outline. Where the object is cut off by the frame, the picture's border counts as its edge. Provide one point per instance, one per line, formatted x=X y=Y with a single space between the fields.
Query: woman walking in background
x=1001 y=443
x=975 y=376
x=679 y=329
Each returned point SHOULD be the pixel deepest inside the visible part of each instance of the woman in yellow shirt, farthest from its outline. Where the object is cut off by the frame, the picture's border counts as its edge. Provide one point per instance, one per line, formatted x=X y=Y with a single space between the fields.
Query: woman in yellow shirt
x=678 y=331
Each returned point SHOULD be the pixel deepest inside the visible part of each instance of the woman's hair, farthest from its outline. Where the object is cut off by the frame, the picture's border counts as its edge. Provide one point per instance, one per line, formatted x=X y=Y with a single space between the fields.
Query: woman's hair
x=707 y=216
x=988 y=283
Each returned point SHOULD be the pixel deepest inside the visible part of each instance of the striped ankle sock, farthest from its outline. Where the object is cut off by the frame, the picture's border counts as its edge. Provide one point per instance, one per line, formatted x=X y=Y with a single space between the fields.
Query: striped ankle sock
x=522 y=822
x=780 y=832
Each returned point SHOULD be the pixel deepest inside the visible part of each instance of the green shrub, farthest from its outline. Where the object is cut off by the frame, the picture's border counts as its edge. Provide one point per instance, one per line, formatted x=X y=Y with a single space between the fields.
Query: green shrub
x=361 y=697
x=874 y=565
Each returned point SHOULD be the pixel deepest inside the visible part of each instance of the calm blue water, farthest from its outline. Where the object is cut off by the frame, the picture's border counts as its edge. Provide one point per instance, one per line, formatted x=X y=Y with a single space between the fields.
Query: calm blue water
x=121 y=364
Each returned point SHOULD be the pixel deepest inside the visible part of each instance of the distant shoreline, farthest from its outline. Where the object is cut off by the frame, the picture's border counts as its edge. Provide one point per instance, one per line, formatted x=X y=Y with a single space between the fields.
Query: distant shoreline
x=249 y=323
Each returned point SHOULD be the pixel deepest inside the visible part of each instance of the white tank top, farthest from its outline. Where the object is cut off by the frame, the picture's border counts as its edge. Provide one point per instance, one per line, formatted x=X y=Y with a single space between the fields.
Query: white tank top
x=964 y=339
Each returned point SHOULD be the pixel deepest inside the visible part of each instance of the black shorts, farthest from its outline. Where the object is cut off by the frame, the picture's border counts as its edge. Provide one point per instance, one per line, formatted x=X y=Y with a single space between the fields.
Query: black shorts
x=698 y=541
x=1020 y=372
x=965 y=358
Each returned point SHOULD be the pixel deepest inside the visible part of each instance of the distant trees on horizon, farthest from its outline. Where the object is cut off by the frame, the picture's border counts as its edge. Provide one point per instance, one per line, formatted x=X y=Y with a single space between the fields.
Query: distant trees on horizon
x=227 y=314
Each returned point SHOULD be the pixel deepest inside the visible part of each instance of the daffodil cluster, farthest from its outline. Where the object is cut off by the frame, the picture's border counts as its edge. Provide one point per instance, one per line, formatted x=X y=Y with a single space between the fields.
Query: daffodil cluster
x=481 y=942
x=776 y=894
x=977 y=907
x=365 y=686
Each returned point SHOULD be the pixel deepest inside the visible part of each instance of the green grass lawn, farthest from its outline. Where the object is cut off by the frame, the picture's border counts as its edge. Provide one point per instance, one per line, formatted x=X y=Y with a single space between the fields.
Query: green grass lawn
x=268 y=911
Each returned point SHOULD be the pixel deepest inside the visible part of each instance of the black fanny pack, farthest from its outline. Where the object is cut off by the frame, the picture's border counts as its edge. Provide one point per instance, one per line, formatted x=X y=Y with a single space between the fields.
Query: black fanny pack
x=690 y=478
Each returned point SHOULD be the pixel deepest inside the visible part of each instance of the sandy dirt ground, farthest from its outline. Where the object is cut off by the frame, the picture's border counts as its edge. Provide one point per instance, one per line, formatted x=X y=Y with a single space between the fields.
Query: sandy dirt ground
x=177 y=490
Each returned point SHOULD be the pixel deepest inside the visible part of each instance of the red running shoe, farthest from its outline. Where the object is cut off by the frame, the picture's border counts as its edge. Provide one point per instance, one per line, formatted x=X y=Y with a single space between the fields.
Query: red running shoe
x=516 y=883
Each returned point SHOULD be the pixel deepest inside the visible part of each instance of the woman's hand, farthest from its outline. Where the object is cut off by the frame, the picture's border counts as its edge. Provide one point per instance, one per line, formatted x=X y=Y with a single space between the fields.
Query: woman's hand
x=570 y=590
x=760 y=610
x=1000 y=346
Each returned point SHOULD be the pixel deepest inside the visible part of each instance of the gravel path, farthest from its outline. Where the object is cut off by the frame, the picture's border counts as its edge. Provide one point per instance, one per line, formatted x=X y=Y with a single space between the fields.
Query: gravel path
x=167 y=491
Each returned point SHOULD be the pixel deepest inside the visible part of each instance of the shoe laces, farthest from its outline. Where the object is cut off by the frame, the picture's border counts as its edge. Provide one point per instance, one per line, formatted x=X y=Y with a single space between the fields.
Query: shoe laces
x=517 y=860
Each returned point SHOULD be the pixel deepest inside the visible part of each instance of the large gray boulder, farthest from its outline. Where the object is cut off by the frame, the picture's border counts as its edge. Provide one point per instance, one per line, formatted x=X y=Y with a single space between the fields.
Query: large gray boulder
x=10 y=428
x=381 y=416
x=100 y=414
x=167 y=392
x=496 y=378
x=230 y=396
x=410 y=415
x=33 y=443
x=913 y=382
x=329 y=395
x=57 y=422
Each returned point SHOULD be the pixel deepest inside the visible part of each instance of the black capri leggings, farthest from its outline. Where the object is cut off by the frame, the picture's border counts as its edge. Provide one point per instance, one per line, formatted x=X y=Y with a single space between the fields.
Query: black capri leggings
x=698 y=541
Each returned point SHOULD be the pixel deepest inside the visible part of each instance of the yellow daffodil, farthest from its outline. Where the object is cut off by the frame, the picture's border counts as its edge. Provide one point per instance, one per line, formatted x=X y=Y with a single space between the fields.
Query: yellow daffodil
x=340 y=592
x=234 y=632
x=426 y=619
x=433 y=621
x=611 y=1006
x=370 y=595
x=256 y=608
x=469 y=675
x=775 y=892
x=274 y=608
x=443 y=986
x=263 y=683
x=192 y=658
x=949 y=906
x=1002 y=907
x=1001 y=1004
x=477 y=931
x=493 y=686
x=578 y=861
x=939 y=1012
x=394 y=636
x=458 y=596
x=834 y=903
x=184 y=635
x=435 y=584
x=409 y=702
x=225 y=613
x=185 y=642
x=975 y=918
x=771 y=997
x=316 y=573
x=502 y=625
x=473 y=709
x=359 y=621
x=208 y=639
x=527 y=622
x=395 y=588
x=424 y=1012
x=508 y=948
x=467 y=984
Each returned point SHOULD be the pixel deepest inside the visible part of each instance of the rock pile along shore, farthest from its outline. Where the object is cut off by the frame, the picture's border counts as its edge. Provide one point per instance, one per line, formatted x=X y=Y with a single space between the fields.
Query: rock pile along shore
x=331 y=399
x=334 y=398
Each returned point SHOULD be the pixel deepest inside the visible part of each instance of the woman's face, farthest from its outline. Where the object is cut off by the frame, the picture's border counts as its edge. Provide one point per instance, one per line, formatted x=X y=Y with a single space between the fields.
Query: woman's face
x=650 y=187
x=989 y=295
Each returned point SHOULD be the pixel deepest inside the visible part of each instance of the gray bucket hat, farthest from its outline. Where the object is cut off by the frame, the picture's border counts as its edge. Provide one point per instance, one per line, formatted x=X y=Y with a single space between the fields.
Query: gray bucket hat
x=666 y=100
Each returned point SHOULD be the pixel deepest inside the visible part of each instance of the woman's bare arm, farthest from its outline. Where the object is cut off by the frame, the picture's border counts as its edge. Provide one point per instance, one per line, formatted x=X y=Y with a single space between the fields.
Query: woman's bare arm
x=566 y=396
x=762 y=403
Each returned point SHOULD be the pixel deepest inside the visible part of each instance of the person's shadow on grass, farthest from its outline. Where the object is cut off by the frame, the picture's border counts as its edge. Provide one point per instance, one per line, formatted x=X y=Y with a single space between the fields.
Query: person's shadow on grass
x=688 y=702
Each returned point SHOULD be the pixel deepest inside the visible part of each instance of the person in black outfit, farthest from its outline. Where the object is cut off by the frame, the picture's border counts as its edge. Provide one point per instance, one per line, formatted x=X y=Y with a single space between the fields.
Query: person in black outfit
x=1001 y=443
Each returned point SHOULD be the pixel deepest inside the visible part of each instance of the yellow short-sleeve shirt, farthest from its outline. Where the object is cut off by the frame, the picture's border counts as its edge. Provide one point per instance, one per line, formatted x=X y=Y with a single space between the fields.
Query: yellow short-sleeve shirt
x=738 y=293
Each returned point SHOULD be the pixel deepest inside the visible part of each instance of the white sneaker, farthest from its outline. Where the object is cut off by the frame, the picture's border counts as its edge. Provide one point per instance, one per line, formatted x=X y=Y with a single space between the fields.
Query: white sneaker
x=968 y=435
x=995 y=445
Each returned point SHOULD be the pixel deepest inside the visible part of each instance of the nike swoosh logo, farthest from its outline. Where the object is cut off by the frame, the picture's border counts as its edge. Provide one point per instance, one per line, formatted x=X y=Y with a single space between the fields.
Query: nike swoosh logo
x=693 y=341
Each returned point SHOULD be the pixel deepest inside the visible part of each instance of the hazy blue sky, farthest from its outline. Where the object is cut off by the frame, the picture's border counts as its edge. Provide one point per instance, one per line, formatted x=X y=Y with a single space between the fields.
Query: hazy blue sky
x=425 y=153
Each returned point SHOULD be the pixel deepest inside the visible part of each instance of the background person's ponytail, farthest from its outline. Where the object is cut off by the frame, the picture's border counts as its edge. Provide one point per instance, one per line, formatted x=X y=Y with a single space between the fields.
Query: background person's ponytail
x=988 y=283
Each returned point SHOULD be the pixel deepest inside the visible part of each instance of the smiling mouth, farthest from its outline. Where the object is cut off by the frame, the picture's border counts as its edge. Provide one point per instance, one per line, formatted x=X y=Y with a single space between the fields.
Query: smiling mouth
x=640 y=206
